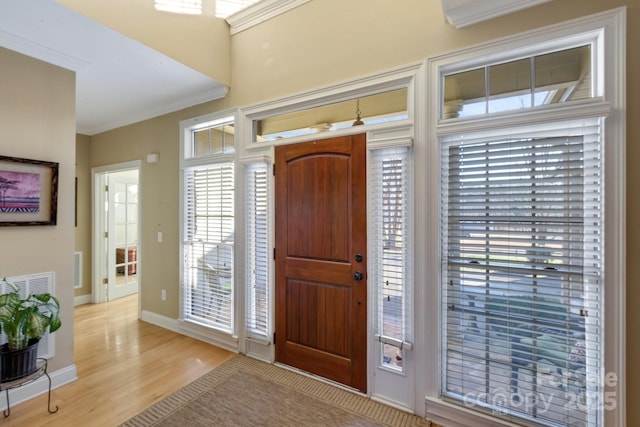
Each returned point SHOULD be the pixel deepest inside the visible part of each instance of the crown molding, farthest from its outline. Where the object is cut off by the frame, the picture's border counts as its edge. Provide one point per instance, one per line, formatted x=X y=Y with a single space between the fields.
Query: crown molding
x=470 y=12
x=37 y=50
x=260 y=12
x=214 y=93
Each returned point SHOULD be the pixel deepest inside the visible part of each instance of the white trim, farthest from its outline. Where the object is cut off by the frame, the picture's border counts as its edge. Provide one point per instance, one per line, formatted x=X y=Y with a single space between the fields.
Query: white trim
x=615 y=224
x=576 y=110
x=609 y=30
x=41 y=52
x=191 y=330
x=81 y=299
x=396 y=78
x=395 y=136
x=248 y=160
x=77 y=270
x=98 y=226
x=475 y=11
x=161 y=321
x=445 y=413
x=260 y=12
x=214 y=92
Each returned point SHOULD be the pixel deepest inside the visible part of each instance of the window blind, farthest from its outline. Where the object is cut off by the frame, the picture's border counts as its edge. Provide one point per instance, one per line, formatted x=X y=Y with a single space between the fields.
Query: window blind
x=522 y=272
x=389 y=262
x=209 y=245
x=257 y=246
x=226 y=8
x=188 y=7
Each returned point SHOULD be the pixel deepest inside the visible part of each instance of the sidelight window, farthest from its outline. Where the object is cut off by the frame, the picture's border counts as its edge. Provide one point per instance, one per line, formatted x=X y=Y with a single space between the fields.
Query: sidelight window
x=208 y=223
x=390 y=258
x=258 y=262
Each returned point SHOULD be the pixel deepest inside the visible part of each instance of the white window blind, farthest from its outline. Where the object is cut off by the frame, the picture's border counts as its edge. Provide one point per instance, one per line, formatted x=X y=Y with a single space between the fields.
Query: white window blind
x=389 y=262
x=187 y=7
x=522 y=272
x=257 y=246
x=208 y=289
x=226 y=8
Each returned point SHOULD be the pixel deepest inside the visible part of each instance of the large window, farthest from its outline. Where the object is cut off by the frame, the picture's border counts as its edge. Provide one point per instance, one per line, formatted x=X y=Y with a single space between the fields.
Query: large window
x=522 y=270
x=528 y=134
x=208 y=226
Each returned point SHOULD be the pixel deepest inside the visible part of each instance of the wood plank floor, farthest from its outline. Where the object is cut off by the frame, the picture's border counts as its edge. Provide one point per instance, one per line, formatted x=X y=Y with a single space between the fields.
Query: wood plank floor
x=124 y=365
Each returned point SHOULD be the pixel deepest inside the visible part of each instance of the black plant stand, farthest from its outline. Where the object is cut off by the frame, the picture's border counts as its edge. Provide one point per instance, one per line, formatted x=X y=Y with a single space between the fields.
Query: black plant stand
x=41 y=369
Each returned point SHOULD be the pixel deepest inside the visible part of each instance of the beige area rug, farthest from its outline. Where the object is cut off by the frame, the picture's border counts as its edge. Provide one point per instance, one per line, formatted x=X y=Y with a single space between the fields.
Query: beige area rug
x=248 y=392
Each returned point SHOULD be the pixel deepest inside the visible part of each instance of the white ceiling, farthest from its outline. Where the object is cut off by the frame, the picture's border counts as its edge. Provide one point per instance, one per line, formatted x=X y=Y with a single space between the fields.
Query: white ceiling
x=119 y=80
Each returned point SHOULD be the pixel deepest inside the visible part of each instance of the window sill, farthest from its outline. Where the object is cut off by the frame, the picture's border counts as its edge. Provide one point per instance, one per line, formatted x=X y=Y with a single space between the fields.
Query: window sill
x=444 y=413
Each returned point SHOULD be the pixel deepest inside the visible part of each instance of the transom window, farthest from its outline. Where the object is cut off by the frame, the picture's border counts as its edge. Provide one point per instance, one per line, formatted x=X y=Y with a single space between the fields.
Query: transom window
x=549 y=78
x=384 y=107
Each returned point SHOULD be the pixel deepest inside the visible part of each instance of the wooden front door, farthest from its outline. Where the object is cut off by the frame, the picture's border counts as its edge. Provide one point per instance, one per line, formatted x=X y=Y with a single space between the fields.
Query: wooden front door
x=321 y=283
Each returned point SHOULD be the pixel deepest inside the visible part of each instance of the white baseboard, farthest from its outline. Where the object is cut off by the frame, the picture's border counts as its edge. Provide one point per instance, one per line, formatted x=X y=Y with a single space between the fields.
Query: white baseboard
x=82 y=299
x=192 y=330
x=40 y=386
x=162 y=321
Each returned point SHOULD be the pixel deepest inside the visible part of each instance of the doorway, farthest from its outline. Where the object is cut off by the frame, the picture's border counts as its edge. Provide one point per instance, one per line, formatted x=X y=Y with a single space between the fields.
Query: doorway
x=116 y=231
x=321 y=273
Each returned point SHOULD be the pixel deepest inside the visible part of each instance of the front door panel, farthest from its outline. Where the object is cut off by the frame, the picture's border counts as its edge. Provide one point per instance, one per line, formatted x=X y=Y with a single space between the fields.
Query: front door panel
x=321 y=291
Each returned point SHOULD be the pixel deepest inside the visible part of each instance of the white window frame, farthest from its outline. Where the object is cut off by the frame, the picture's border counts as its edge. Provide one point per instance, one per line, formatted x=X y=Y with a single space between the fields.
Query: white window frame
x=227 y=340
x=380 y=271
x=608 y=30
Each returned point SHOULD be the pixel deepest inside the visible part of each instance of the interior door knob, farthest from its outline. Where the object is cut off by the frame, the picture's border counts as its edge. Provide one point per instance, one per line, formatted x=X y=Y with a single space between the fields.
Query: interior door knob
x=358 y=275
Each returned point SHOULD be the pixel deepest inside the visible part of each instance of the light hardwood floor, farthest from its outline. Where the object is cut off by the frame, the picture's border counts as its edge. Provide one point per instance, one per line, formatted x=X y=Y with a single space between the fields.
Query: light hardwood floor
x=124 y=365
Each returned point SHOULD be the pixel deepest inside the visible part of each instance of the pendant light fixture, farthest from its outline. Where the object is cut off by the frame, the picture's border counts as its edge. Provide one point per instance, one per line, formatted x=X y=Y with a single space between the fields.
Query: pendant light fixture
x=358 y=121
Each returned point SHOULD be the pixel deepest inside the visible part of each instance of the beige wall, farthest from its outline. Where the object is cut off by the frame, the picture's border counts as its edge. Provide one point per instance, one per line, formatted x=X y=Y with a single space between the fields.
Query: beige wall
x=314 y=45
x=159 y=193
x=83 y=210
x=37 y=121
x=201 y=42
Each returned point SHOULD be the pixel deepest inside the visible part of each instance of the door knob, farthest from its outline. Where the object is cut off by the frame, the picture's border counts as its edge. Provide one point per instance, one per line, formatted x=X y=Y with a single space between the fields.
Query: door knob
x=358 y=275
x=358 y=258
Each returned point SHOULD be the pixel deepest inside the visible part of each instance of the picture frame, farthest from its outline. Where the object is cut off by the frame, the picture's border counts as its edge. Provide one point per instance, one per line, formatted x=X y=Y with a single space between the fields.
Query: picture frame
x=28 y=192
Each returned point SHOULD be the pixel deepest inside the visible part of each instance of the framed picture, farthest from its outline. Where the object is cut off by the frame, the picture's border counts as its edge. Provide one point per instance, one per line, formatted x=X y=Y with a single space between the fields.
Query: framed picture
x=28 y=192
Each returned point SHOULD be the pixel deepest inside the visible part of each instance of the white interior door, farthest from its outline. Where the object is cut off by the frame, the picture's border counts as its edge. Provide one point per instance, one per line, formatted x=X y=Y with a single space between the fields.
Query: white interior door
x=122 y=234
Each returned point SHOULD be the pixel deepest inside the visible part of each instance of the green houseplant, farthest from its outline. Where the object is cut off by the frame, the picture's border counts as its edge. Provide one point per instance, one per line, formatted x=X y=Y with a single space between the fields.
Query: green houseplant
x=24 y=321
